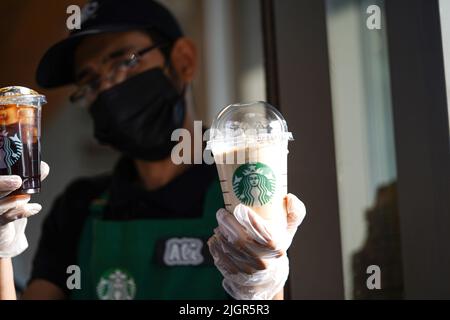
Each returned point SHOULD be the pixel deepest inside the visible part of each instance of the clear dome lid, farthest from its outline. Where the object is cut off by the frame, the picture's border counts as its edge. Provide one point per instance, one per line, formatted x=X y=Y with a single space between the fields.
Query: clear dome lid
x=246 y=124
x=21 y=95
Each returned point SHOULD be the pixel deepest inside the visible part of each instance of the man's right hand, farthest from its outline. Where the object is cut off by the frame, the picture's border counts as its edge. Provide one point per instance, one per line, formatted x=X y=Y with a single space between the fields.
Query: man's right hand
x=14 y=211
x=250 y=251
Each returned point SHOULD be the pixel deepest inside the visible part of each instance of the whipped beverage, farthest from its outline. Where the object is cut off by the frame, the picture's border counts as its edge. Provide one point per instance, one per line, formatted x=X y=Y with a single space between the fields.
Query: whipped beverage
x=250 y=147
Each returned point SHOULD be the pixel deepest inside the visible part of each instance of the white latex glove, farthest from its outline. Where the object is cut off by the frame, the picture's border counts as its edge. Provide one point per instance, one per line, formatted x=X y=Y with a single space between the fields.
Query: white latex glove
x=250 y=252
x=14 y=211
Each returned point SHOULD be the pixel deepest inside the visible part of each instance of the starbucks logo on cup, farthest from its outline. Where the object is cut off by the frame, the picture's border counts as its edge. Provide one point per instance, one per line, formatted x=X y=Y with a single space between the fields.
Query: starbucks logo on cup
x=10 y=149
x=254 y=184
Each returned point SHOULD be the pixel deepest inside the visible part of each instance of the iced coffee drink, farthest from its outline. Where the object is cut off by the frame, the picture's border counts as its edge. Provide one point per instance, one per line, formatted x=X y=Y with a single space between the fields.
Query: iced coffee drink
x=20 y=118
x=250 y=146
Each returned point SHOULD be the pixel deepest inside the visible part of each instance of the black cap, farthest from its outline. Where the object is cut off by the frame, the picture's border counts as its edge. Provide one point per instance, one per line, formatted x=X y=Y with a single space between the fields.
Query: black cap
x=99 y=16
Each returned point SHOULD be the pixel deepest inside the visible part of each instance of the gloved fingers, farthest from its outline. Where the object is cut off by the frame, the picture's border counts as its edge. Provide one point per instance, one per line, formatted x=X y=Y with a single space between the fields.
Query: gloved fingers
x=23 y=211
x=237 y=271
x=275 y=235
x=12 y=239
x=251 y=249
x=253 y=223
x=256 y=249
x=10 y=203
x=274 y=270
x=7 y=234
x=13 y=202
x=245 y=260
x=296 y=212
x=8 y=184
x=261 y=285
x=231 y=262
x=20 y=226
x=271 y=234
x=45 y=169
x=241 y=292
x=230 y=227
x=236 y=233
x=242 y=283
x=238 y=228
x=248 y=292
x=224 y=265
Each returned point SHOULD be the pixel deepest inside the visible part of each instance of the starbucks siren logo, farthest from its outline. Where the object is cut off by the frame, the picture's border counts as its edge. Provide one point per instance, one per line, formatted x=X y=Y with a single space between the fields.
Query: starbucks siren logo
x=116 y=284
x=10 y=150
x=254 y=184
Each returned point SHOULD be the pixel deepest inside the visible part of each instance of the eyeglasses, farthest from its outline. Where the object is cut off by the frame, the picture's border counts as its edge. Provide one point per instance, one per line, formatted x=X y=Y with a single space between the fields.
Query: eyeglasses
x=123 y=63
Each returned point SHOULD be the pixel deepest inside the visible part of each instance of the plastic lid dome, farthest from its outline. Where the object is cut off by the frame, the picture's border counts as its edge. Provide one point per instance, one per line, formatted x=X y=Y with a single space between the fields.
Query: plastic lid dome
x=247 y=124
x=21 y=95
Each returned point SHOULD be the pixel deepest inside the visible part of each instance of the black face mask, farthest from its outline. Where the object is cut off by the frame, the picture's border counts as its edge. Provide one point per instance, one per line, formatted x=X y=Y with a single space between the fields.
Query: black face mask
x=137 y=117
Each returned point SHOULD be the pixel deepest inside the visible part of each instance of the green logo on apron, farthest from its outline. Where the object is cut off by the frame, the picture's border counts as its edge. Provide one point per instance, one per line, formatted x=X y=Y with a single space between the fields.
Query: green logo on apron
x=116 y=284
x=254 y=184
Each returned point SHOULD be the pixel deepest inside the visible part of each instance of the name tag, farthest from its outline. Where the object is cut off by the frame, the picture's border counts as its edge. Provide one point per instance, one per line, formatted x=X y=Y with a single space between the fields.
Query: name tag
x=182 y=251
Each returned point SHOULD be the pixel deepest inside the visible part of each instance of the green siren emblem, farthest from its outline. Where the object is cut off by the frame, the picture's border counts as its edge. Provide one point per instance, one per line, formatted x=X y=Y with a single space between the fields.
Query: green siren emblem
x=116 y=284
x=254 y=184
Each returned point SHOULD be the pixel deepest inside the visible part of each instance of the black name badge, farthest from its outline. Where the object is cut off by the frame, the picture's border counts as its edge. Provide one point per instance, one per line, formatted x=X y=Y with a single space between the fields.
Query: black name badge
x=182 y=251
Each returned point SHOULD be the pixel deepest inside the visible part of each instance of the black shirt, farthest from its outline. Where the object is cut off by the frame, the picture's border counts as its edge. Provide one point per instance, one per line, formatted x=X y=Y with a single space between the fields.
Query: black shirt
x=58 y=246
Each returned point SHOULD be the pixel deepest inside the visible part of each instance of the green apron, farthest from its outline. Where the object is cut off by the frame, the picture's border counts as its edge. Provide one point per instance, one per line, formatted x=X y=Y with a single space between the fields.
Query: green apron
x=119 y=259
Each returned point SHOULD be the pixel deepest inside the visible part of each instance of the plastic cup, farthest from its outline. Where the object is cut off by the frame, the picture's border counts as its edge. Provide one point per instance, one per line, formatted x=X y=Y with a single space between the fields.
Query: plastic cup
x=20 y=136
x=249 y=143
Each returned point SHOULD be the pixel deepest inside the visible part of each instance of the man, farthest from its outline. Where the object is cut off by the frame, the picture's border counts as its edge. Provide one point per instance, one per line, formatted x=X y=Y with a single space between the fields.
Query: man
x=140 y=232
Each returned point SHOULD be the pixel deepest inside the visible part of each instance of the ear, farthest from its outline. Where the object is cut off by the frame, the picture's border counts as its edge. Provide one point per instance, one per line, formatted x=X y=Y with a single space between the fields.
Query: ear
x=184 y=59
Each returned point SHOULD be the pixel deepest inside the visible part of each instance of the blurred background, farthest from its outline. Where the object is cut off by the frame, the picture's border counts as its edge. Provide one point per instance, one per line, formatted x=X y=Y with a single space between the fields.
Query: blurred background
x=367 y=107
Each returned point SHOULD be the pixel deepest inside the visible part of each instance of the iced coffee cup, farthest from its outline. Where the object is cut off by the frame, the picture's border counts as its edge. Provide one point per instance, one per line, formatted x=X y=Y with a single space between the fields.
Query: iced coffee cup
x=249 y=143
x=20 y=133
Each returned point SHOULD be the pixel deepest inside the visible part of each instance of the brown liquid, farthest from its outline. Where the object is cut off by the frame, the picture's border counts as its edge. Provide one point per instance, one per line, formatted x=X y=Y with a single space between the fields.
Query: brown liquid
x=20 y=146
